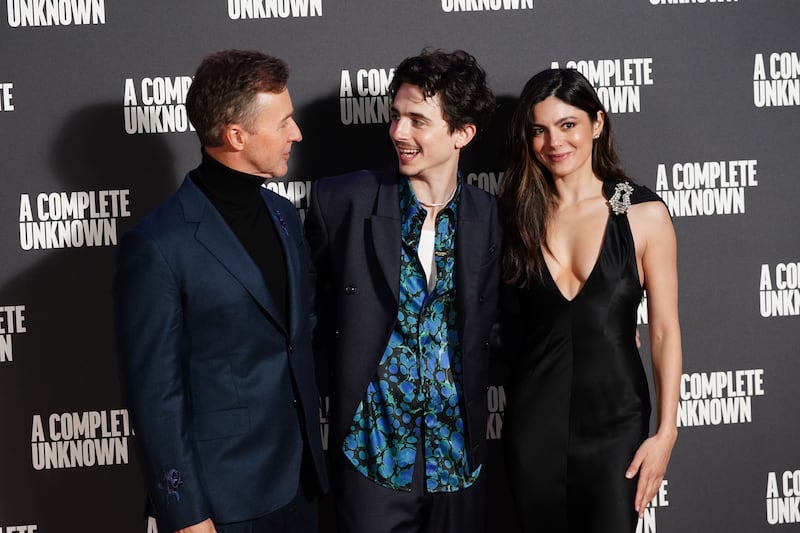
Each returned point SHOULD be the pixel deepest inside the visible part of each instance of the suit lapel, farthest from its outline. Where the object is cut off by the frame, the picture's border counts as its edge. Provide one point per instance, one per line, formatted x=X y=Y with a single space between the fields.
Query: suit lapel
x=296 y=272
x=385 y=231
x=214 y=234
x=471 y=238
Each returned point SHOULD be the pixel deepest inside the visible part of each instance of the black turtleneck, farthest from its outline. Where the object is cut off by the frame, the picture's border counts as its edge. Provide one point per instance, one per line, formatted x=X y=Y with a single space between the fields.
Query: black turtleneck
x=237 y=196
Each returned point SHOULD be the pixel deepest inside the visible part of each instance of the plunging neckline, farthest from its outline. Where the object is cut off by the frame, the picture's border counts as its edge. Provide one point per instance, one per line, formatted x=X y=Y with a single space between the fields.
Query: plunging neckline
x=591 y=272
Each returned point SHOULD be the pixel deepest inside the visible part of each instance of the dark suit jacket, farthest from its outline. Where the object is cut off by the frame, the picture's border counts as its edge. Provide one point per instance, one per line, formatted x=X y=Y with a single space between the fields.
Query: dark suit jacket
x=353 y=228
x=207 y=364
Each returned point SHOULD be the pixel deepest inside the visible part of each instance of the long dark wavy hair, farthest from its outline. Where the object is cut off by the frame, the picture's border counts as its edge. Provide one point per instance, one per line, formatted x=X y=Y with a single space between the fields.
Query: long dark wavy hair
x=527 y=192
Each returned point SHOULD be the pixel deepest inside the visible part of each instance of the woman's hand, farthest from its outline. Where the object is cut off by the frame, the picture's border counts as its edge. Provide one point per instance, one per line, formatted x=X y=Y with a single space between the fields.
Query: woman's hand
x=650 y=462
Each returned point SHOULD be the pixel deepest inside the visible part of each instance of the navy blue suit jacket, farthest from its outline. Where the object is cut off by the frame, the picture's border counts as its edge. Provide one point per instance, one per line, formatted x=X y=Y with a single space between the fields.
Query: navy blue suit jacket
x=207 y=363
x=353 y=228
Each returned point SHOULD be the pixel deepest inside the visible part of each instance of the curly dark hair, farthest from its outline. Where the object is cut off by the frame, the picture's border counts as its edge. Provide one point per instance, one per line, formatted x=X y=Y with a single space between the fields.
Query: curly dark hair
x=527 y=191
x=225 y=87
x=458 y=80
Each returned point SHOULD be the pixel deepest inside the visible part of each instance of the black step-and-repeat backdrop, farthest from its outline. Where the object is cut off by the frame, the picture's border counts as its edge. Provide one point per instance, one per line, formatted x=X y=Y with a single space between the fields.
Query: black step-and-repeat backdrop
x=705 y=99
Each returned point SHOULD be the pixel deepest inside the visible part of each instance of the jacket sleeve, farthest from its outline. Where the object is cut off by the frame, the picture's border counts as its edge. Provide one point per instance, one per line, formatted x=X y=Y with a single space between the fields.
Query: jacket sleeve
x=149 y=318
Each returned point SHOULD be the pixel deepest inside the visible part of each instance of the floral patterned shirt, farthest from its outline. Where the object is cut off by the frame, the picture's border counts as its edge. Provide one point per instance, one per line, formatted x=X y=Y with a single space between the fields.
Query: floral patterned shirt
x=416 y=391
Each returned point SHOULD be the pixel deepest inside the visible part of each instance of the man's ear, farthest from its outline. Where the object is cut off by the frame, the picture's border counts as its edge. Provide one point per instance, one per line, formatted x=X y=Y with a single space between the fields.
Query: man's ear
x=464 y=135
x=234 y=137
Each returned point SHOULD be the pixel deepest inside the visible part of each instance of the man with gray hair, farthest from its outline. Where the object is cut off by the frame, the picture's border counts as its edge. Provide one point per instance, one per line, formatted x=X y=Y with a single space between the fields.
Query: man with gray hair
x=213 y=298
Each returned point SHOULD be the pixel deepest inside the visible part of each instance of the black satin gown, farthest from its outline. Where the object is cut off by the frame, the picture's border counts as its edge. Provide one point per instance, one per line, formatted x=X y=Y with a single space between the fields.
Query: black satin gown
x=578 y=402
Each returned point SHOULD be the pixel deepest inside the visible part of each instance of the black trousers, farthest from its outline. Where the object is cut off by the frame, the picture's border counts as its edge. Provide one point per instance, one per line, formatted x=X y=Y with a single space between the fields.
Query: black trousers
x=365 y=507
x=301 y=515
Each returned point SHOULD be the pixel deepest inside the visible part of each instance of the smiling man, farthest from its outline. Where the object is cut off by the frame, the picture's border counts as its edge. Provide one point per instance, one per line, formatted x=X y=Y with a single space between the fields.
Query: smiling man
x=408 y=264
x=213 y=297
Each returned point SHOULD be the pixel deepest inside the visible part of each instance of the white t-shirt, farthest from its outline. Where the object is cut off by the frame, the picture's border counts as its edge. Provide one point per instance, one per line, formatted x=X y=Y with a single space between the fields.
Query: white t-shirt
x=425 y=254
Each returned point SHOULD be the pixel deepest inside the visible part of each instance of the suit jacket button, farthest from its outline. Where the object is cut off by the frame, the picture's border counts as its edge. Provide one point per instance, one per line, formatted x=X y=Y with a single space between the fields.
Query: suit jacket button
x=350 y=289
x=291 y=348
x=294 y=402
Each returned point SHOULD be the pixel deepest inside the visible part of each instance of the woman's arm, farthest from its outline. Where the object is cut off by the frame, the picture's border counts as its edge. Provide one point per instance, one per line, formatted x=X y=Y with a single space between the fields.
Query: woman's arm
x=652 y=227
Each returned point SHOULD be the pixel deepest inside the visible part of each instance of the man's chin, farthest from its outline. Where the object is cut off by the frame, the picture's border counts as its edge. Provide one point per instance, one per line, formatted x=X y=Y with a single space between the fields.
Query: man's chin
x=407 y=170
x=276 y=174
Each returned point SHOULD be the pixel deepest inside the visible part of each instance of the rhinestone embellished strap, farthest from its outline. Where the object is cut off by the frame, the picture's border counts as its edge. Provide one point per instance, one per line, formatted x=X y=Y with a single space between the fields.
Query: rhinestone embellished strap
x=621 y=200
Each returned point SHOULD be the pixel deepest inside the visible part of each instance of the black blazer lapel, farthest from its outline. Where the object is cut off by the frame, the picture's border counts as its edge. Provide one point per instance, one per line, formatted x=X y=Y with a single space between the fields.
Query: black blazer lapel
x=296 y=271
x=215 y=235
x=471 y=239
x=384 y=227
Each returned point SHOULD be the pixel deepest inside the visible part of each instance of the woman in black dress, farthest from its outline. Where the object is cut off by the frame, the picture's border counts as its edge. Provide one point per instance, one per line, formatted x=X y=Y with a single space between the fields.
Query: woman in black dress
x=582 y=242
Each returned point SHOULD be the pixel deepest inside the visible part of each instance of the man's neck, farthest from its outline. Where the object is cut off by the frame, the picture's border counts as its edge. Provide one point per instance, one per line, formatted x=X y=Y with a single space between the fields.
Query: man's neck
x=433 y=195
x=434 y=192
x=220 y=182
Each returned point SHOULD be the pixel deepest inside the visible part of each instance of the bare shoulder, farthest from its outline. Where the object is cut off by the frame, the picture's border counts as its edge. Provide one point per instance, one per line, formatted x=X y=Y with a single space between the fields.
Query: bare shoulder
x=649 y=214
x=650 y=225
